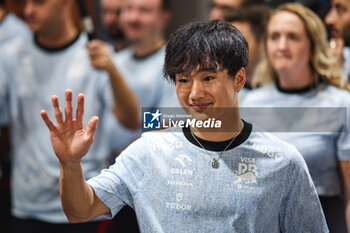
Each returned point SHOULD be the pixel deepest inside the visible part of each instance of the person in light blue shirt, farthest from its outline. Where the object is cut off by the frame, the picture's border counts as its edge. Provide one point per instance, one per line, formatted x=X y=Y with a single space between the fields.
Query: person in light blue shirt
x=141 y=63
x=309 y=86
x=31 y=70
x=225 y=178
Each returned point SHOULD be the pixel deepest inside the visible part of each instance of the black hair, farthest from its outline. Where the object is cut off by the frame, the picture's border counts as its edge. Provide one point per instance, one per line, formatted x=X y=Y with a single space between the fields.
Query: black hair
x=256 y=16
x=205 y=46
x=2 y=2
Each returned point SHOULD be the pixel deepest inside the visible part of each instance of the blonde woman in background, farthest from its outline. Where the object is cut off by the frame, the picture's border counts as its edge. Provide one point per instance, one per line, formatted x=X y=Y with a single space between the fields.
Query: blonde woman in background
x=304 y=75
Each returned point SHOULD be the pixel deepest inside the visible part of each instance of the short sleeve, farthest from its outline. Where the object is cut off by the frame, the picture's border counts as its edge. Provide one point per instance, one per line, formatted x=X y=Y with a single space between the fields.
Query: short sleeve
x=301 y=210
x=118 y=185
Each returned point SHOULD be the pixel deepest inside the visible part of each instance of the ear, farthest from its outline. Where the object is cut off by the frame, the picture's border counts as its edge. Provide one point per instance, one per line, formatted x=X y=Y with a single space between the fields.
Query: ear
x=240 y=79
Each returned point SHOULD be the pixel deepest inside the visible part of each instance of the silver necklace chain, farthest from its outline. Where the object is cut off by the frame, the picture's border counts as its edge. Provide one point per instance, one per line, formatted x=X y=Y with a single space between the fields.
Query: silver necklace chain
x=215 y=164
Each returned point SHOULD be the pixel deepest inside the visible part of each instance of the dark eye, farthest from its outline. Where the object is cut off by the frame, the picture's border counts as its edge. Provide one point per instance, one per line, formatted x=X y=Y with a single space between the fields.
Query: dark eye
x=145 y=10
x=208 y=78
x=293 y=37
x=183 y=80
x=340 y=9
x=274 y=36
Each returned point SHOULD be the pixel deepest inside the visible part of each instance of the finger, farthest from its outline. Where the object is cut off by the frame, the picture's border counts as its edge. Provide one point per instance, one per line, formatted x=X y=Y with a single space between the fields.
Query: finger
x=80 y=108
x=69 y=105
x=47 y=120
x=91 y=127
x=57 y=109
x=92 y=45
x=94 y=55
x=95 y=42
x=92 y=51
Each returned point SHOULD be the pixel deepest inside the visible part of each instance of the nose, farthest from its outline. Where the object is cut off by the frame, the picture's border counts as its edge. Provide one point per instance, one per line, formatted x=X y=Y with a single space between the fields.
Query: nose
x=197 y=90
x=28 y=8
x=128 y=14
x=330 y=17
x=282 y=43
x=133 y=14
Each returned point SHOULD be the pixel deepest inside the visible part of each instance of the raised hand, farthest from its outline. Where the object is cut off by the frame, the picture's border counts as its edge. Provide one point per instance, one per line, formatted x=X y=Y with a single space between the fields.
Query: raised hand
x=69 y=139
x=100 y=56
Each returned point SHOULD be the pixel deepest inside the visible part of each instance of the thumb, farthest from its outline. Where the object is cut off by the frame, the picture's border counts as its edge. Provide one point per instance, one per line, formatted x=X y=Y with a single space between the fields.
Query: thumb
x=91 y=127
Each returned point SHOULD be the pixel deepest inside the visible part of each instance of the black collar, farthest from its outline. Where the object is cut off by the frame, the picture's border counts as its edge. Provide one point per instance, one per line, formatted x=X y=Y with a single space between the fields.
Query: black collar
x=53 y=50
x=144 y=57
x=299 y=90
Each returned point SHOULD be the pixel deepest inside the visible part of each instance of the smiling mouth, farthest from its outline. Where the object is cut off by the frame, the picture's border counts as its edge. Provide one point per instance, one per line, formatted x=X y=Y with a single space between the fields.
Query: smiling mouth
x=200 y=107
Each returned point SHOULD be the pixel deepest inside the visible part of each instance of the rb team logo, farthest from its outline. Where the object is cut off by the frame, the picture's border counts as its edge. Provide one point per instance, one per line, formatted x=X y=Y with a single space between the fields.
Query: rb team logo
x=151 y=120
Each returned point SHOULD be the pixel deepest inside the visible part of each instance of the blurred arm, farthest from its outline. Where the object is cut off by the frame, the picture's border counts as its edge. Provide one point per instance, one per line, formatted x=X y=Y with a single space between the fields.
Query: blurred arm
x=127 y=107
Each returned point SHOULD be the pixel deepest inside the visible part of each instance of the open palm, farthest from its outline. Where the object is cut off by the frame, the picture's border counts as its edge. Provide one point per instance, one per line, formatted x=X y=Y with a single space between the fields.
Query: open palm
x=69 y=139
